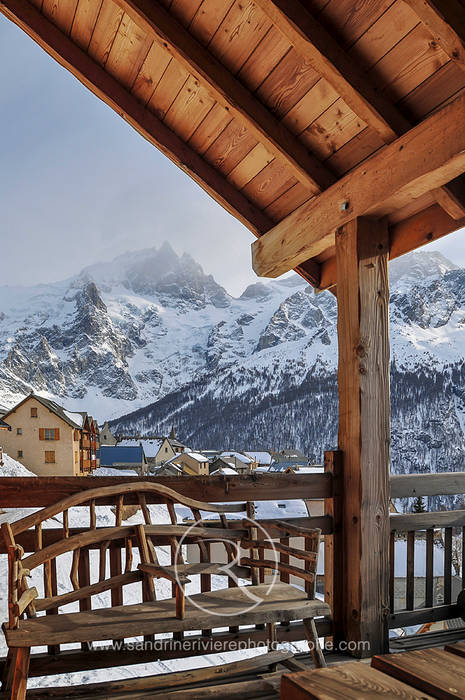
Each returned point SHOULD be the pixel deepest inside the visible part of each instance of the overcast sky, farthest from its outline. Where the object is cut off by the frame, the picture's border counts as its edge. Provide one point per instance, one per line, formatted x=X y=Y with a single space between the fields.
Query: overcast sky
x=78 y=185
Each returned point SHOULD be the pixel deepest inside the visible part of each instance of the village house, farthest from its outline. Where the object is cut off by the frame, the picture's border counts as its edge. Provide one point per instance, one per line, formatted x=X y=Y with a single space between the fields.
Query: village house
x=3 y=426
x=157 y=449
x=124 y=457
x=49 y=440
x=242 y=462
x=106 y=436
x=192 y=463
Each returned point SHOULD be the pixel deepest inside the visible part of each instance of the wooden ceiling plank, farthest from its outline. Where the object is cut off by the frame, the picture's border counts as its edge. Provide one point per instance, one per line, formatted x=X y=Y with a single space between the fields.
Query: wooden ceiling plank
x=332 y=130
x=408 y=64
x=227 y=90
x=347 y=21
x=208 y=18
x=84 y=21
x=287 y=83
x=242 y=29
x=287 y=202
x=426 y=157
x=250 y=166
x=230 y=147
x=168 y=88
x=264 y=59
x=407 y=235
x=272 y=181
x=386 y=32
x=207 y=131
x=433 y=93
x=60 y=13
x=445 y=19
x=151 y=72
x=105 y=30
x=189 y=108
x=312 y=41
x=102 y=84
x=128 y=52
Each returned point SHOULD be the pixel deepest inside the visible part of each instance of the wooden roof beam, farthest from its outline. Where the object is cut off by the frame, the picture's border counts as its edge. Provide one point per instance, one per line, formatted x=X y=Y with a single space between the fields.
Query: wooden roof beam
x=426 y=157
x=416 y=231
x=228 y=91
x=347 y=78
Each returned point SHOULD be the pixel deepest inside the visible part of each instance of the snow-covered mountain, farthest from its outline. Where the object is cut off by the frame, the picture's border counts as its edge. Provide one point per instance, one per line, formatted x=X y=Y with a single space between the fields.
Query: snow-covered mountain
x=150 y=336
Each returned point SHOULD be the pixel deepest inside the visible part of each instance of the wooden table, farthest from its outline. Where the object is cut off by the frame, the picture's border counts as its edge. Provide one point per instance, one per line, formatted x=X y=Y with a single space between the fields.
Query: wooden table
x=413 y=675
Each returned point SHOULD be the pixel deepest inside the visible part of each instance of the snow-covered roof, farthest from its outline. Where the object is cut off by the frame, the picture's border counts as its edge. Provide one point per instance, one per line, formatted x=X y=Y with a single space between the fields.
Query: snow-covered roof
x=238 y=455
x=310 y=470
x=260 y=457
x=77 y=418
x=197 y=456
x=151 y=447
x=224 y=470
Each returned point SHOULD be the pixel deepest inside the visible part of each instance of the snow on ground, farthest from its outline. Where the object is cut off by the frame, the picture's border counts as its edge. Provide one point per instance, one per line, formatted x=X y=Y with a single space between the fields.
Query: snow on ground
x=109 y=471
x=13 y=468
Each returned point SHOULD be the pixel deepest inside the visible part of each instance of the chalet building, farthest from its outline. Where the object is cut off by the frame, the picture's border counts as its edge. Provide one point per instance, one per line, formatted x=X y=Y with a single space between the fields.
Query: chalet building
x=51 y=441
x=106 y=436
x=157 y=449
x=192 y=463
x=128 y=457
x=3 y=426
x=242 y=462
x=169 y=469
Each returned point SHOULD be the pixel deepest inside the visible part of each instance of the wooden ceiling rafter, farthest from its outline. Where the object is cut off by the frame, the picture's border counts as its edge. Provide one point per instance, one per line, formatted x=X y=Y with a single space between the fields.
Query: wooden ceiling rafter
x=426 y=157
x=228 y=91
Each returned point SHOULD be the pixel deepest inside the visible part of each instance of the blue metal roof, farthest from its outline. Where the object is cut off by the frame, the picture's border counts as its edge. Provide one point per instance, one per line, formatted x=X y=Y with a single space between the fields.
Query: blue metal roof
x=110 y=455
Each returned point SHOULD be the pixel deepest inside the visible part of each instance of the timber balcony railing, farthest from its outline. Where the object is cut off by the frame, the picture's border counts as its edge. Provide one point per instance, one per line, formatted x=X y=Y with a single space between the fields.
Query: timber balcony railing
x=435 y=537
x=427 y=553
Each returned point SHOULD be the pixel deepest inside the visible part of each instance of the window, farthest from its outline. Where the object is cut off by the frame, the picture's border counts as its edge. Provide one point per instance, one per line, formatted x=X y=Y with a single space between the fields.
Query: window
x=49 y=434
x=20 y=454
x=166 y=449
x=33 y=412
x=49 y=456
x=19 y=431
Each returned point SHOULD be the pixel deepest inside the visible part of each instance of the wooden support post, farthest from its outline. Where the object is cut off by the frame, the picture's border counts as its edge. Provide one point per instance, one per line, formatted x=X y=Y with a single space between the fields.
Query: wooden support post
x=334 y=546
x=364 y=429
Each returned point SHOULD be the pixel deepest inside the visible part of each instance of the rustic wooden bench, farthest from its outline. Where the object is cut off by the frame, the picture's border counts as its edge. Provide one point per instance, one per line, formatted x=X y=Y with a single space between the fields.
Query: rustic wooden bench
x=36 y=621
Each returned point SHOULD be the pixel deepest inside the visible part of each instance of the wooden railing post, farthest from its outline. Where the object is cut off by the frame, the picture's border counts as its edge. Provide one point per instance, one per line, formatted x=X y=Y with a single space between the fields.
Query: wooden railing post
x=362 y=250
x=334 y=546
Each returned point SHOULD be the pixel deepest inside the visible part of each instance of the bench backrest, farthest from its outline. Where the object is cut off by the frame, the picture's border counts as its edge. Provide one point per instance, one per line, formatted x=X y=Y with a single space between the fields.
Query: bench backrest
x=233 y=525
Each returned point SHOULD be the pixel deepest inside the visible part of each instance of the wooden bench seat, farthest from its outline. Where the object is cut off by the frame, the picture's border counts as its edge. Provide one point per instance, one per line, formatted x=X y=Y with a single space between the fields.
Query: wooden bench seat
x=258 y=587
x=284 y=602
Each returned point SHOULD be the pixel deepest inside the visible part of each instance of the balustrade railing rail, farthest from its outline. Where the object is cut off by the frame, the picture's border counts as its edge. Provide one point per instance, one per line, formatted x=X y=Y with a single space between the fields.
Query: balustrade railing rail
x=427 y=553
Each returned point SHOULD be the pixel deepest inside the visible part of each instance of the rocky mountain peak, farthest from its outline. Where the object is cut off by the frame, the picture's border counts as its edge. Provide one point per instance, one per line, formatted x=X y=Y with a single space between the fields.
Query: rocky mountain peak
x=417 y=267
